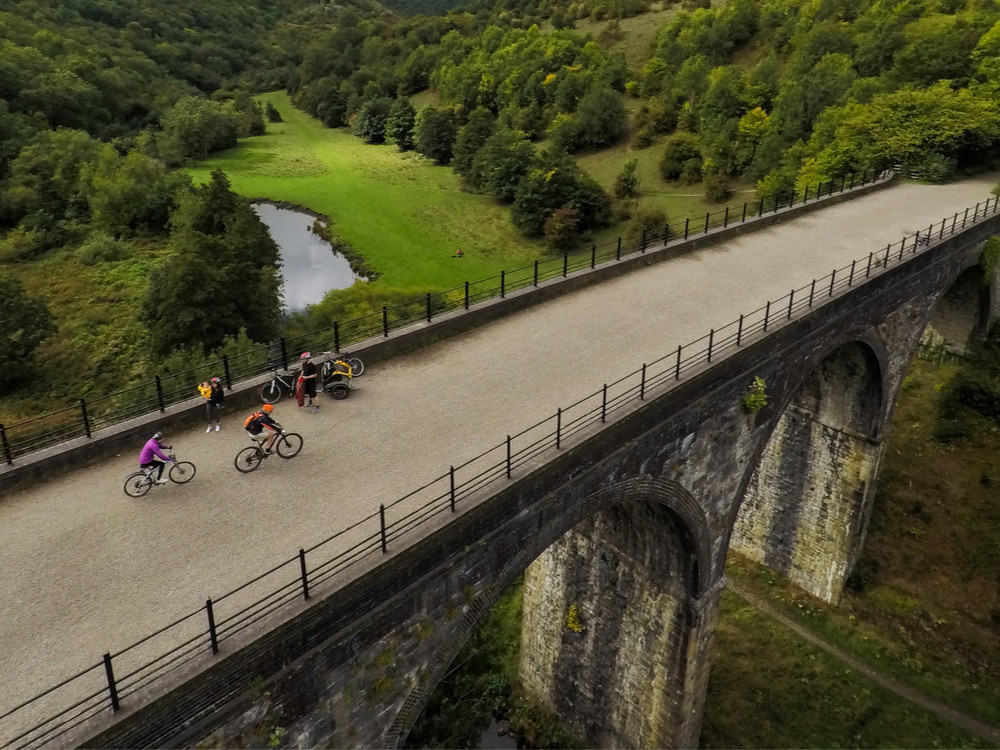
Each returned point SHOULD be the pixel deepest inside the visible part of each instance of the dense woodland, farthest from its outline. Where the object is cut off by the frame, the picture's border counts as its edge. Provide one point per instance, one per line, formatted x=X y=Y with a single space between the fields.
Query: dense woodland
x=102 y=100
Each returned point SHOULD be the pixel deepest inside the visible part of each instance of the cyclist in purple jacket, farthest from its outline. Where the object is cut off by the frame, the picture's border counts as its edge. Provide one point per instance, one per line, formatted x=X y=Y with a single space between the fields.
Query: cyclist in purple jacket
x=154 y=448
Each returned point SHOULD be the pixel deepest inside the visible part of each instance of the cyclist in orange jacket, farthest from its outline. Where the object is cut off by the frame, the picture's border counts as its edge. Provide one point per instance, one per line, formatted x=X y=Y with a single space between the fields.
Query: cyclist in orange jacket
x=262 y=428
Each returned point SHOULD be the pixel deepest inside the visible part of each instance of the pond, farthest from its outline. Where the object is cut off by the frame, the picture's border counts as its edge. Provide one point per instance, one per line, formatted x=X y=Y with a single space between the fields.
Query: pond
x=309 y=265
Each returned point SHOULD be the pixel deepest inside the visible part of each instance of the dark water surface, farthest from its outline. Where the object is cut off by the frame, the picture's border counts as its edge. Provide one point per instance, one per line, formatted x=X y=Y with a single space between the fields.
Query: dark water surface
x=309 y=265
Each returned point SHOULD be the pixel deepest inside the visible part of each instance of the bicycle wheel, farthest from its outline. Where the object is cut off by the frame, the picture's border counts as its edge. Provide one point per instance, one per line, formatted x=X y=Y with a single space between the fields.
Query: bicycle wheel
x=182 y=472
x=138 y=484
x=357 y=366
x=289 y=445
x=248 y=459
x=270 y=392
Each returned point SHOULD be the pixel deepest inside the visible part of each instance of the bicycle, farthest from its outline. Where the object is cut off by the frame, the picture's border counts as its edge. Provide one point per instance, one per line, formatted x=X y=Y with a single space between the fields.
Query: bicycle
x=357 y=366
x=138 y=483
x=270 y=392
x=286 y=445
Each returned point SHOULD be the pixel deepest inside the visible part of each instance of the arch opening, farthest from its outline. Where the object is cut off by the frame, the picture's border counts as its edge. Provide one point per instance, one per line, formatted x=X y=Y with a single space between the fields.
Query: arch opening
x=614 y=637
x=805 y=510
x=960 y=317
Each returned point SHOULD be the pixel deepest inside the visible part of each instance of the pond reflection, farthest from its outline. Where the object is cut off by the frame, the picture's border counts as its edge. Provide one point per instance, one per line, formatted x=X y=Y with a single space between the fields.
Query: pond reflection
x=309 y=265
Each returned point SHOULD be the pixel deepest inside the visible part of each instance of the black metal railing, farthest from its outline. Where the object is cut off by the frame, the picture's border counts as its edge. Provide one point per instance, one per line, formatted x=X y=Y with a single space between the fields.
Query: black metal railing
x=169 y=389
x=48 y=715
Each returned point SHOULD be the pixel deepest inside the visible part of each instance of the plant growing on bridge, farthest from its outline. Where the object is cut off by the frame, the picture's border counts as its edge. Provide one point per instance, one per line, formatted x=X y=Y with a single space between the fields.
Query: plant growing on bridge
x=755 y=398
x=573 y=619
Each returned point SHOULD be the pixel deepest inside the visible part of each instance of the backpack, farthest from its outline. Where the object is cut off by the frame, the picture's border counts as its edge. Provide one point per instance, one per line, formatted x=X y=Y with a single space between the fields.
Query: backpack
x=251 y=419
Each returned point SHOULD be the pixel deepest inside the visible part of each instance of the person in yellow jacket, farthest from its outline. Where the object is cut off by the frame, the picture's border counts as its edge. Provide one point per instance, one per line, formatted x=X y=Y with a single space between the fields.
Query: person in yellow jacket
x=211 y=391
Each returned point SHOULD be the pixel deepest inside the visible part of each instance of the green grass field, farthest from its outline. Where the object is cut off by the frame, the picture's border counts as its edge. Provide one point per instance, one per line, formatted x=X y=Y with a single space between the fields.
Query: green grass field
x=404 y=215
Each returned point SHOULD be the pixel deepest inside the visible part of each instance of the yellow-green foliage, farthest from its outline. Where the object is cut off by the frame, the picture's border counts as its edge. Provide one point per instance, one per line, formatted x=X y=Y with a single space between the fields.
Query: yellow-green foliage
x=755 y=397
x=573 y=619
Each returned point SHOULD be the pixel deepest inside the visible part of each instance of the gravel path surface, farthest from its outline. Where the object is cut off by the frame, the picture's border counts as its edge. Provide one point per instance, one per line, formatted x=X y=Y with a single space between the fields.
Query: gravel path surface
x=87 y=569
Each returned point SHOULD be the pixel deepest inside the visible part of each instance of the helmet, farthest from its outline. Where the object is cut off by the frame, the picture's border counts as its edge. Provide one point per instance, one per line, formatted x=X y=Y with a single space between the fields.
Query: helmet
x=305 y=355
x=157 y=435
x=216 y=380
x=267 y=408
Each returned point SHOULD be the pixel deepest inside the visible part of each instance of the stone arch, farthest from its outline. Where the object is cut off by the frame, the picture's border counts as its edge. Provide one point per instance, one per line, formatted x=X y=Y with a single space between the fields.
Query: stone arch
x=664 y=524
x=806 y=506
x=961 y=315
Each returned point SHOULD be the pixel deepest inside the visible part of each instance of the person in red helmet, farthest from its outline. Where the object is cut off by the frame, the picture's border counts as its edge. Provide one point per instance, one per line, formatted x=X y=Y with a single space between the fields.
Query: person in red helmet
x=262 y=428
x=308 y=380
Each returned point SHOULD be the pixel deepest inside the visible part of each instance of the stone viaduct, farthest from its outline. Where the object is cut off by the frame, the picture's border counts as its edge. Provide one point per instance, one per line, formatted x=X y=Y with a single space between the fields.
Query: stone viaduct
x=621 y=535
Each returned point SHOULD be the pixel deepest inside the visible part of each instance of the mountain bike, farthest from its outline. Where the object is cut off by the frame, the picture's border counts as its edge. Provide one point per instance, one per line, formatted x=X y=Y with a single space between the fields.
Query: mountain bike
x=357 y=366
x=270 y=392
x=138 y=483
x=286 y=445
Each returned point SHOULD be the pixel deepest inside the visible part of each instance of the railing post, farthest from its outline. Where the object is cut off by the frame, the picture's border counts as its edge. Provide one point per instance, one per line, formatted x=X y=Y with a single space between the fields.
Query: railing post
x=503 y=284
x=687 y=225
x=305 y=574
x=725 y=218
x=226 y=373
x=642 y=246
x=767 y=314
x=711 y=339
x=565 y=263
x=159 y=393
x=666 y=234
x=428 y=306
x=112 y=687
x=618 y=251
x=677 y=367
x=213 y=635
x=964 y=218
x=467 y=286
x=851 y=280
x=593 y=257
x=744 y=212
x=6 y=445
x=284 y=354
x=508 y=457
x=739 y=331
x=777 y=198
x=842 y=178
x=385 y=321
x=86 y=419
x=851 y=187
x=642 y=384
x=604 y=404
x=451 y=480
x=707 y=215
x=791 y=301
x=336 y=336
x=868 y=271
x=536 y=274
x=885 y=263
x=760 y=211
x=558 y=428
x=833 y=277
x=381 y=522
x=902 y=247
x=812 y=293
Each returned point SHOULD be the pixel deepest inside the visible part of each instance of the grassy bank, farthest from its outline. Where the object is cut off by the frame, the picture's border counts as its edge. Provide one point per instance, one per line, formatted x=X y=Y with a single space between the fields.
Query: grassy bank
x=404 y=215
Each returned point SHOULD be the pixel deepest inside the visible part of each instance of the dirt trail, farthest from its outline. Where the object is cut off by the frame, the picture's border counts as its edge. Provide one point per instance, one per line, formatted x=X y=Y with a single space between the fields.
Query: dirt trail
x=966 y=722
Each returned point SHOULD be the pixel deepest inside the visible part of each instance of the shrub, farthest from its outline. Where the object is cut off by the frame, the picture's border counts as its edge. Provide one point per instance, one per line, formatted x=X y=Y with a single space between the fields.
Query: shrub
x=755 y=397
x=934 y=168
x=717 y=188
x=560 y=229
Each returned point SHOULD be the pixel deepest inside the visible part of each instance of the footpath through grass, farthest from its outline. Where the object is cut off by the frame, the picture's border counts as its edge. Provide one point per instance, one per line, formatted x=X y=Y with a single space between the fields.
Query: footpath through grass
x=403 y=214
